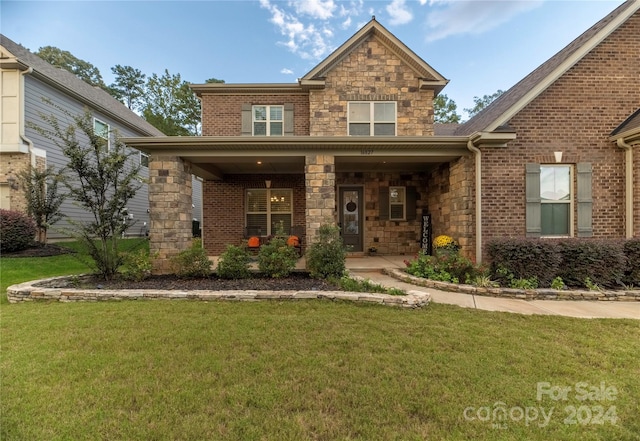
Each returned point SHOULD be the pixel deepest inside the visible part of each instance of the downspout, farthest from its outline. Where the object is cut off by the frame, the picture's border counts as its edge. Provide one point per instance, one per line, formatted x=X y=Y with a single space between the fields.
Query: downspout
x=24 y=138
x=478 y=186
x=628 y=158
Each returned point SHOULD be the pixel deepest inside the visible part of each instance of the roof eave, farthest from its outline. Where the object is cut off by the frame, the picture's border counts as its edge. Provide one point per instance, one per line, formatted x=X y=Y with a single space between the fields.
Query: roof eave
x=563 y=67
x=248 y=88
x=158 y=144
x=630 y=137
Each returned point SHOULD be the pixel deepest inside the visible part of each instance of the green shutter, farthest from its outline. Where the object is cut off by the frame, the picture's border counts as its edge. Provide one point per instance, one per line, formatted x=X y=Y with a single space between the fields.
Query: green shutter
x=246 y=120
x=383 y=200
x=585 y=200
x=288 y=119
x=533 y=209
x=412 y=197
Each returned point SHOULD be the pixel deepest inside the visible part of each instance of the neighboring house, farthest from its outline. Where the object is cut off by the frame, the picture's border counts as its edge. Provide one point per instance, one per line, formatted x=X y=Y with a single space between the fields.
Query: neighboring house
x=353 y=143
x=26 y=81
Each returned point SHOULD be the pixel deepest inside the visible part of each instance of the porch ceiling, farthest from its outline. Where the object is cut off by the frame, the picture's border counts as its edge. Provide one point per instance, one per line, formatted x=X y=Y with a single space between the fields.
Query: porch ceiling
x=214 y=168
x=214 y=157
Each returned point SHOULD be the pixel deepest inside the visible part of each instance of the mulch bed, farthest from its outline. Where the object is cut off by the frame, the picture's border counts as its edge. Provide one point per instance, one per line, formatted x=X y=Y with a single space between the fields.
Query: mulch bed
x=297 y=281
x=39 y=251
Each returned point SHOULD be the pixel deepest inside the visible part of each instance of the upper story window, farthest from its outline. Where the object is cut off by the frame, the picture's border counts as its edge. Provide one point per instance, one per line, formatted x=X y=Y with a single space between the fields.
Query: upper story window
x=268 y=120
x=101 y=129
x=144 y=159
x=372 y=118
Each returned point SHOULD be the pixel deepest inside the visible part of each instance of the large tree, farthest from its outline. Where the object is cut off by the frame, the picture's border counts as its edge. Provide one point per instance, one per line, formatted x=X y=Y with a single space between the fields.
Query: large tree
x=128 y=86
x=444 y=110
x=66 y=60
x=171 y=106
x=481 y=103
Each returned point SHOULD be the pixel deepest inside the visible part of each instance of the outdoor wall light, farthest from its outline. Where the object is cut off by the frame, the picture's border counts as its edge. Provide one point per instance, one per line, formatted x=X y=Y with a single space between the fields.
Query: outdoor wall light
x=13 y=183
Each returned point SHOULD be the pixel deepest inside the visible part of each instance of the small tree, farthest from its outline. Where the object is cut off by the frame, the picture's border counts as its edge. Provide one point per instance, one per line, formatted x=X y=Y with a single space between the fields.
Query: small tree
x=101 y=179
x=43 y=198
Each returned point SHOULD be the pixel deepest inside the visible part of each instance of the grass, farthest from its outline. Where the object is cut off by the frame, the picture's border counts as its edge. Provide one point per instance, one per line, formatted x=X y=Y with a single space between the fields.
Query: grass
x=183 y=370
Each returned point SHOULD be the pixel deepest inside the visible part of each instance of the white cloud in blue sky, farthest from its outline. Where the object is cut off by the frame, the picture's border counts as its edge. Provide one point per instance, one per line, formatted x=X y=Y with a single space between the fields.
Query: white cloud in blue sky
x=399 y=12
x=455 y=17
x=480 y=45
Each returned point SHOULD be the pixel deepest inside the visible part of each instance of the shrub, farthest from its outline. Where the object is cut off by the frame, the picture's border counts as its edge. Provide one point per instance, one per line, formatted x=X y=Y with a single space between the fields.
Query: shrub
x=444 y=243
x=603 y=262
x=234 y=263
x=326 y=256
x=523 y=259
x=276 y=259
x=452 y=268
x=135 y=265
x=17 y=231
x=365 y=285
x=632 y=252
x=192 y=262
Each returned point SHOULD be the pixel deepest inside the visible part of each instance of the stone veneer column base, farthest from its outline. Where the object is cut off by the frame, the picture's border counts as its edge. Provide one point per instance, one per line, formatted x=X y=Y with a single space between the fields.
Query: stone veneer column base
x=170 y=210
x=320 y=183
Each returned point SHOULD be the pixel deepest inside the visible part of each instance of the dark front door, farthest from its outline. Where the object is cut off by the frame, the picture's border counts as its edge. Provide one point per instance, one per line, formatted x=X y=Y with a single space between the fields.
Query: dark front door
x=351 y=217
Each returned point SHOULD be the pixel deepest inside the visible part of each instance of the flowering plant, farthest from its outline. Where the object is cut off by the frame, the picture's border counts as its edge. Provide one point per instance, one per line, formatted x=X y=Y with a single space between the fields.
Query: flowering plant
x=445 y=242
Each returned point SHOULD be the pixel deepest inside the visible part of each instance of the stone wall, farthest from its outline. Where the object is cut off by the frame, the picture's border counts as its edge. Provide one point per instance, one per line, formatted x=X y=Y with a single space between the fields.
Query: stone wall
x=451 y=199
x=320 y=183
x=170 y=206
x=371 y=73
x=11 y=165
x=387 y=236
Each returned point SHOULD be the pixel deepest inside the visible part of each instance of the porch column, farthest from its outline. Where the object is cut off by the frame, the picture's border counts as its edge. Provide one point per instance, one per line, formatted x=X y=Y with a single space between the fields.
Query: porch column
x=170 y=211
x=320 y=182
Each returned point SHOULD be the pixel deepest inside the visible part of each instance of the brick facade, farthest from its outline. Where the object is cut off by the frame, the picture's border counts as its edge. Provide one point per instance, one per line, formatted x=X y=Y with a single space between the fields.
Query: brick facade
x=575 y=115
x=221 y=112
x=224 y=207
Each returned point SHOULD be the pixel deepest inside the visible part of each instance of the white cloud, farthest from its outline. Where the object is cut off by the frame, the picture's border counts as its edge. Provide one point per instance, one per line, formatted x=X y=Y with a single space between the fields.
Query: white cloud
x=304 y=40
x=286 y=71
x=320 y=9
x=399 y=12
x=450 y=17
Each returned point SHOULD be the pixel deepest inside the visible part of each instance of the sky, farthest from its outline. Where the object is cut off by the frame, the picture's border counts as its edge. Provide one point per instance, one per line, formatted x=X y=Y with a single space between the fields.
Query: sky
x=480 y=46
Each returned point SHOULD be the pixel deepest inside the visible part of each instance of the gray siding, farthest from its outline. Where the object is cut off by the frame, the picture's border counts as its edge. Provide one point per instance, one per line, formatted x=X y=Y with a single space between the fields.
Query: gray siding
x=35 y=90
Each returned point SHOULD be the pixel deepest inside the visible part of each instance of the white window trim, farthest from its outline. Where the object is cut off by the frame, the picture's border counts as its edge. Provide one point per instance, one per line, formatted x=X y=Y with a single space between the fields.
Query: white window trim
x=108 y=137
x=268 y=212
x=404 y=203
x=144 y=155
x=570 y=202
x=371 y=121
x=268 y=121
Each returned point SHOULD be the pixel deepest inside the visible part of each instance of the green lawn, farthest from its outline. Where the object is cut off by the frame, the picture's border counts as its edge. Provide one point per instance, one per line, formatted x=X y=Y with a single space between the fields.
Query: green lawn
x=319 y=370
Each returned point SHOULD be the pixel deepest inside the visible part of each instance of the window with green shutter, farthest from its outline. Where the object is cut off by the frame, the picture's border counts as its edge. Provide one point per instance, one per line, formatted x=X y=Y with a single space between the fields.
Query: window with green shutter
x=550 y=200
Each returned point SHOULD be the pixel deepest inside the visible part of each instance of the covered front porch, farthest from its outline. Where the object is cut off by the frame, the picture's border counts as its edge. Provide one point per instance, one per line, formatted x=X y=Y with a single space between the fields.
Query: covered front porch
x=376 y=189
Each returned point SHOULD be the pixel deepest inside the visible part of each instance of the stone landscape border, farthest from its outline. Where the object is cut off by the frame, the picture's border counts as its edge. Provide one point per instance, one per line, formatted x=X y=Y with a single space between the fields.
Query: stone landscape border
x=510 y=293
x=29 y=292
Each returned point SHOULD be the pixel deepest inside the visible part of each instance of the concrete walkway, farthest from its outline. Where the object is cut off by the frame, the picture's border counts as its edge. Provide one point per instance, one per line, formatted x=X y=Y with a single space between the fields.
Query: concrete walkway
x=370 y=268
